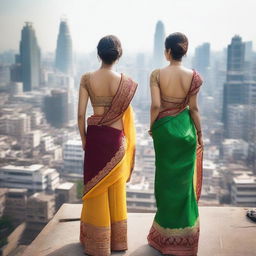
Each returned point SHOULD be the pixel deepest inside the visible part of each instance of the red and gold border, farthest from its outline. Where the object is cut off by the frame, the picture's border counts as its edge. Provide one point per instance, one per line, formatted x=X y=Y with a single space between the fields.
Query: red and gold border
x=179 y=241
x=95 y=240
x=102 y=240
x=108 y=167
x=119 y=236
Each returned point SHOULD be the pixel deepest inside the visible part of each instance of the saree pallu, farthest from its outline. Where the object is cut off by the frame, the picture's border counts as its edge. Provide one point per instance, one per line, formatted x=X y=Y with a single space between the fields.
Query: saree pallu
x=178 y=181
x=109 y=160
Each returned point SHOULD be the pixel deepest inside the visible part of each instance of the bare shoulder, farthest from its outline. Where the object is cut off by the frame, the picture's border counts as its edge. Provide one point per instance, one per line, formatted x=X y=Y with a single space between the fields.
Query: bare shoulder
x=187 y=71
x=114 y=75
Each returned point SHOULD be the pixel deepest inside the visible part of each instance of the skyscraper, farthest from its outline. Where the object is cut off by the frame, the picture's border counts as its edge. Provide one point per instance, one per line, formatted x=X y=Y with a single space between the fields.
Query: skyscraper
x=64 y=55
x=202 y=58
x=239 y=93
x=159 y=37
x=235 y=61
x=27 y=67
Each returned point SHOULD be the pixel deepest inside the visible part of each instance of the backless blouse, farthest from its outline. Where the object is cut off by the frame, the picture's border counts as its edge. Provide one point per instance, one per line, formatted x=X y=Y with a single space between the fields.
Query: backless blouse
x=171 y=106
x=97 y=101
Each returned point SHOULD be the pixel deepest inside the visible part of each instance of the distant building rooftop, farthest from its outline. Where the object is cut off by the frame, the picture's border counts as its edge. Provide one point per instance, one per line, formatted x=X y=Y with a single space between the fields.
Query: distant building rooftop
x=17 y=190
x=29 y=168
x=74 y=142
x=245 y=179
x=209 y=164
x=65 y=186
x=225 y=231
x=42 y=196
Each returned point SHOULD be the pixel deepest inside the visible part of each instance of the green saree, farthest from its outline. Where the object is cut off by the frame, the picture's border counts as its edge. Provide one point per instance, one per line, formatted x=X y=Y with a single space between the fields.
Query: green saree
x=178 y=180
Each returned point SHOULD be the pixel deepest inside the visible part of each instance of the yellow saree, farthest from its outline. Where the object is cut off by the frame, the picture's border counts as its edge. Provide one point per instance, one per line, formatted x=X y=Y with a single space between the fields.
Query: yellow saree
x=109 y=160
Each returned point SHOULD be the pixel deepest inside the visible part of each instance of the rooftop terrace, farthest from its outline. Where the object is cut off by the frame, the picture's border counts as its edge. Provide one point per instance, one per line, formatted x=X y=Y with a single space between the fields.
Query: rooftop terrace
x=225 y=231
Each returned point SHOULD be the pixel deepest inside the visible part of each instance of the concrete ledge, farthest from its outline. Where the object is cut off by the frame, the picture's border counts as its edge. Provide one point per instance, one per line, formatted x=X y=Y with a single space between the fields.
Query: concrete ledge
x=225 y=231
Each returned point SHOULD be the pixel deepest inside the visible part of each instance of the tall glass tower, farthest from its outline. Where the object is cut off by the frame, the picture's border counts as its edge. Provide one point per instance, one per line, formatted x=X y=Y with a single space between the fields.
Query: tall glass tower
x=235 y=61
x=158 y=56
x=202 y=58
x=64 y=55
x=29 y=58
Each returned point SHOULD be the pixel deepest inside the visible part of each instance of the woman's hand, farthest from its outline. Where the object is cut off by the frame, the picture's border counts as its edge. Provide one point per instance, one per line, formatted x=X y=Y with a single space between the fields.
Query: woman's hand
x=200 y=139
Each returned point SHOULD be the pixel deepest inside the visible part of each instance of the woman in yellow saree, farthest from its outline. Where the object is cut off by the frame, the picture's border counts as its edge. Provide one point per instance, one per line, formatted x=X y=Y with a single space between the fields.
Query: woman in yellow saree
x=109 y=144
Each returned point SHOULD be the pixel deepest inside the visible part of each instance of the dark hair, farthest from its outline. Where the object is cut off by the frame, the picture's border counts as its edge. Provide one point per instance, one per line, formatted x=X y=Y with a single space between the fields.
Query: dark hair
x=109 y=49
x=178 y=44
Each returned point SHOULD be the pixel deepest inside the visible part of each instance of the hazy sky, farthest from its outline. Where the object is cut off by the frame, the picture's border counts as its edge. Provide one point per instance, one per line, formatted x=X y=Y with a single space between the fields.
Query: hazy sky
x=214 y=21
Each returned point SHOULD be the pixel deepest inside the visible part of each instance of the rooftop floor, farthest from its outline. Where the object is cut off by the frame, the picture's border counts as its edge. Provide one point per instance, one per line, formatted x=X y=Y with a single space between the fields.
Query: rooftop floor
x=225 y=231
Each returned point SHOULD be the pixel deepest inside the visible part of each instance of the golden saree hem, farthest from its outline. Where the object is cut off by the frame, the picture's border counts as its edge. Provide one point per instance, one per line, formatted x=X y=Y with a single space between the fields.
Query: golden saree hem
x=95 y=240
x=108 y=167
x=119 y=236
x=177 y=231
x=179 y=241
x=101 y=241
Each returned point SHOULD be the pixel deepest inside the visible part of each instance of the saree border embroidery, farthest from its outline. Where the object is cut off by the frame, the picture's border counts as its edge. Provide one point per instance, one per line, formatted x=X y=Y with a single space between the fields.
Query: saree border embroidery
x=119 y=235
x=119 y=104
x=120 y=101
x=177 y=231
x=199 y=171
x=95 y=240
x=108 y=167
x=181 y=242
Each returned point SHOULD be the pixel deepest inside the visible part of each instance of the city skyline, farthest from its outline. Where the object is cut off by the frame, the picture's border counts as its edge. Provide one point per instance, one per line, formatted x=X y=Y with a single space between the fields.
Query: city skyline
x=98 y=18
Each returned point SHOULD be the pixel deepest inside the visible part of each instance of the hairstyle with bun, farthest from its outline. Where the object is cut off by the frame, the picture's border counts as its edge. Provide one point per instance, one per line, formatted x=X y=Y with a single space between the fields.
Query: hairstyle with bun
x=109 y=49
x=178 y=44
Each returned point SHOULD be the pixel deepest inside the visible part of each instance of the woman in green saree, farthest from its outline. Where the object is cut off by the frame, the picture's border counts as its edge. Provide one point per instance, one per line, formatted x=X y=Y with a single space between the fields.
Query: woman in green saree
x=176 y=132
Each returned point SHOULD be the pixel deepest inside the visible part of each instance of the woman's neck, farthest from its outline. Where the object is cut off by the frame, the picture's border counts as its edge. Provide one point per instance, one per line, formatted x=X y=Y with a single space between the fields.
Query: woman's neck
x=175 y=63
x=106 y=66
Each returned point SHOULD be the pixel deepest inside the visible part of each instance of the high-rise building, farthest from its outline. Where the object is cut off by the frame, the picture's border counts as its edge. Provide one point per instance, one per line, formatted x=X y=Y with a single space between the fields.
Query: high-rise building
x=56 y=108
x=142 y=73
x=202 y=58
x=27 y=67
x=64 y=55
x=159 y=37
x=235 y=60
x=238 y=121
x=4 y=74
x=238 y=90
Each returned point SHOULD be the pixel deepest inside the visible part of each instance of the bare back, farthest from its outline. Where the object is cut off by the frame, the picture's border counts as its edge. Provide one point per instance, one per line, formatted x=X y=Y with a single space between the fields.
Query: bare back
x=175 y=82
x=103 y=85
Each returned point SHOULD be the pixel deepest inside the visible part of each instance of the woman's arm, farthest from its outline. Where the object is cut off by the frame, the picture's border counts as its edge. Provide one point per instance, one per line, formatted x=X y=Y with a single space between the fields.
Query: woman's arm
x=81 y=113
x=155 y=99
x=194 y=112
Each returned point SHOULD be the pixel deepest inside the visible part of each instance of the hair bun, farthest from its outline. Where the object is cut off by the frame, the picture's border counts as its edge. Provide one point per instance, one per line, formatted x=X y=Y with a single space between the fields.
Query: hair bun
x=109 y=49
x=178 y=44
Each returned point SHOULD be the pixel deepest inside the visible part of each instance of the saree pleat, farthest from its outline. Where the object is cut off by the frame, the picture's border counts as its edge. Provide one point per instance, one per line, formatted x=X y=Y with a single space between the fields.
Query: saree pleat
x=109 y=160
x=178 y=181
